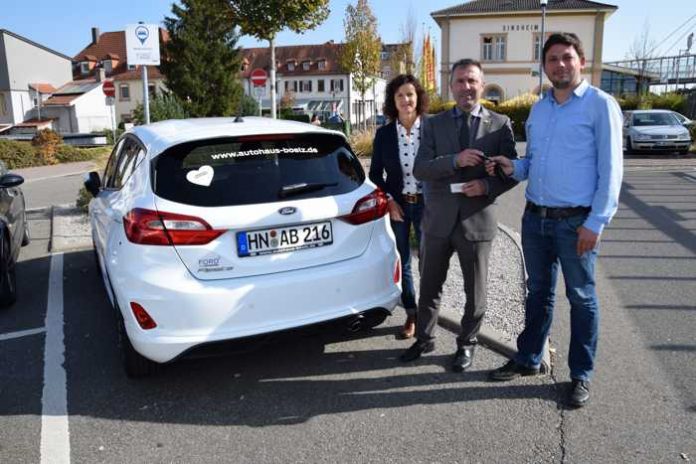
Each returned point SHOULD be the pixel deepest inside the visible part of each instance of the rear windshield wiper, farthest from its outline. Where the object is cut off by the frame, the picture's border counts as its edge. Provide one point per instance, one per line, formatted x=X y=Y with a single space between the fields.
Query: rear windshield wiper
x=296 y=189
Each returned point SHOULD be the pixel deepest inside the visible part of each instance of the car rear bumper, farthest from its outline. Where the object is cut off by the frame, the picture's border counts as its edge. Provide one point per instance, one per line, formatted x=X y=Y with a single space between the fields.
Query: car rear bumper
x=190 y=312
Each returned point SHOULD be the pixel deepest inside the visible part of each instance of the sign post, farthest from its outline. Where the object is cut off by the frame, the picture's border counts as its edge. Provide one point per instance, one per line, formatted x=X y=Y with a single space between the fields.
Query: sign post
x=258 y=78
x=142 y=48
x=109 y=90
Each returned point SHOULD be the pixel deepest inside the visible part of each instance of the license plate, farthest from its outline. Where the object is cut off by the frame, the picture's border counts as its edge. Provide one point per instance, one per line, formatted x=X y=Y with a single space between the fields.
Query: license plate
x=284 y=239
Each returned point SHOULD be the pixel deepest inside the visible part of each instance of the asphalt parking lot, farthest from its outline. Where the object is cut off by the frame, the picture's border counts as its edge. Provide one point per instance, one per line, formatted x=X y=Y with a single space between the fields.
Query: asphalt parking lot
x=326 y=396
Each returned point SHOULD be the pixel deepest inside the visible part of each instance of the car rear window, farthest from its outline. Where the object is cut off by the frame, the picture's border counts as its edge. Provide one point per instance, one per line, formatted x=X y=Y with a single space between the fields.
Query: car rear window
x=256 y=169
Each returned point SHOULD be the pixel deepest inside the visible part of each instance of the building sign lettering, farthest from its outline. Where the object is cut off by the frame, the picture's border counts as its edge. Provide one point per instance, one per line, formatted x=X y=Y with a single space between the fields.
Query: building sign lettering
x=520 y=27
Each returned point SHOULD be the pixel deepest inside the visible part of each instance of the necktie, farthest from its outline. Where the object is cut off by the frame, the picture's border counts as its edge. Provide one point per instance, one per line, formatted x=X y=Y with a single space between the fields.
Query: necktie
x=464 y=132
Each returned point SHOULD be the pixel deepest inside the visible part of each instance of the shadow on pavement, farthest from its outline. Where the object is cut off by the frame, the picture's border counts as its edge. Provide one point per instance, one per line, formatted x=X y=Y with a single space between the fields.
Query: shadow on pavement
x=288 y=381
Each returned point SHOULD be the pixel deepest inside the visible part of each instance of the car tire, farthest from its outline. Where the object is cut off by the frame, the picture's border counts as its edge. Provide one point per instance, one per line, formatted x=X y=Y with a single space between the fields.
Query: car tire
x=8 y=277
x=136 y=365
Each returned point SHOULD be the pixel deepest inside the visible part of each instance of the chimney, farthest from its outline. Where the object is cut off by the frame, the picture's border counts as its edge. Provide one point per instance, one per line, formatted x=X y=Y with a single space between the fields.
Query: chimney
x=95 y=35
x=101 y=74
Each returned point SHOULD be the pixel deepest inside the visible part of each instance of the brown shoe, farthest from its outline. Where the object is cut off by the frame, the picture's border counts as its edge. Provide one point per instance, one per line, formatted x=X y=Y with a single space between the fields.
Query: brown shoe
x=409 y=328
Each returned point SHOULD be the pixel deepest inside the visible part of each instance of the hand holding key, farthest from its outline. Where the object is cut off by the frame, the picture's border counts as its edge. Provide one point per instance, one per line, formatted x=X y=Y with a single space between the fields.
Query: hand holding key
x=498 y=166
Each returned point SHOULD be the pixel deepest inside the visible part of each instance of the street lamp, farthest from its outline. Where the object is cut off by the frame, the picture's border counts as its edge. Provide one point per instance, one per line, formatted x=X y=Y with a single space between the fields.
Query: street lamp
x=541 y=43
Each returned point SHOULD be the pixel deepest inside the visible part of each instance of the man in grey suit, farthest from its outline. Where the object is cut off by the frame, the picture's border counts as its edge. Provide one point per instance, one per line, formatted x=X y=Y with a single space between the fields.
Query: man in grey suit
x=459 y=210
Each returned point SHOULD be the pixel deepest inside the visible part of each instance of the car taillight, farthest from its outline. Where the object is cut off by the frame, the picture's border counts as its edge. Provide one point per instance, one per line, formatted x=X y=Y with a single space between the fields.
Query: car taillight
x=145 y=321
x=368 y=208
x=147 y=227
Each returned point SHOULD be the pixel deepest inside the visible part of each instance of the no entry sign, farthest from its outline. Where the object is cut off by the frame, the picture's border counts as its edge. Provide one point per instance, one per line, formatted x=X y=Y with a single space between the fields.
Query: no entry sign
x=258 y=77
x=109 y=89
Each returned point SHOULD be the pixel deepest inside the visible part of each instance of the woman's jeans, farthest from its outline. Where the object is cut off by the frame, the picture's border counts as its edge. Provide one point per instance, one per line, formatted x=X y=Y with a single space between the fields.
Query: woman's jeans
x=402 y=230
x=549 y=244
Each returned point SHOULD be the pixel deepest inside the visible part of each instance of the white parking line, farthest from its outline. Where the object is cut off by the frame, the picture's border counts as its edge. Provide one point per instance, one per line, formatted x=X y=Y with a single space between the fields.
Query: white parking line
x=55 y=434
x=21 y=333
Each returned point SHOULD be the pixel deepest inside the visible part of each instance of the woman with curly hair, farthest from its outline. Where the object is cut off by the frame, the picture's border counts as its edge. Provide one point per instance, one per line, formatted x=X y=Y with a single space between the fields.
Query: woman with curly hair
x=394 y=152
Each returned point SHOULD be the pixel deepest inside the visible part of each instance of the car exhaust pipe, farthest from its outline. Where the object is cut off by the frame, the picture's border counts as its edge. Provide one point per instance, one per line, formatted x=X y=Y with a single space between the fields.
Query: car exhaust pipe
x=355 y=323
x=367 y=319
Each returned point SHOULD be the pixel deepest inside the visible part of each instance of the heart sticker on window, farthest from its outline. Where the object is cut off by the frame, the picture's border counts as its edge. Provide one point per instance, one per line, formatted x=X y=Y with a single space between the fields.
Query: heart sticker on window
x=202 y=176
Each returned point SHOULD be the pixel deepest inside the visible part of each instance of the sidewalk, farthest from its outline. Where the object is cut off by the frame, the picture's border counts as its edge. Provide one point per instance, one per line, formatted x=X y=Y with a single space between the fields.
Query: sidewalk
x=56 y=170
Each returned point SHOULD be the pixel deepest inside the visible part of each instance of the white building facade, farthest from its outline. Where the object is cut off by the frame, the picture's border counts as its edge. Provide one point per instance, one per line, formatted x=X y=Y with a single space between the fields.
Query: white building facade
x=25 y=68
x=504 y=36
x=311 y=77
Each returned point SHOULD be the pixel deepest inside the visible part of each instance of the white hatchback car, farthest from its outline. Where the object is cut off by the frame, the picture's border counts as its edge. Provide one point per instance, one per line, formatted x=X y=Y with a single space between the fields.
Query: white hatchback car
x=653 y=131
x=208 y=230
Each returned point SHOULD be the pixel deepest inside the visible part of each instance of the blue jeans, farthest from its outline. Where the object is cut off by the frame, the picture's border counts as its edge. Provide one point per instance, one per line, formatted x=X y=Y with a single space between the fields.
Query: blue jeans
x=549 y=244
x=412 y=218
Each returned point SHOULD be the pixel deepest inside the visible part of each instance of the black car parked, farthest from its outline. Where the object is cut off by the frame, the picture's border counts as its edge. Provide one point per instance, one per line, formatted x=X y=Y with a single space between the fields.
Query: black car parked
x=14 y=232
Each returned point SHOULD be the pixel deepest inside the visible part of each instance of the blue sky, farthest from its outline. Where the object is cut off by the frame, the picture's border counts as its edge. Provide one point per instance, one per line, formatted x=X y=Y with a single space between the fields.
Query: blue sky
x=65 y=25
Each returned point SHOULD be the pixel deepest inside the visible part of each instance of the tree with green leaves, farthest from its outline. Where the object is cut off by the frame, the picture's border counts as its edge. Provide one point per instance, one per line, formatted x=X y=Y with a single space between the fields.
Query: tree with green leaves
x=264 y=19
x=201 y=62
x=361 y=52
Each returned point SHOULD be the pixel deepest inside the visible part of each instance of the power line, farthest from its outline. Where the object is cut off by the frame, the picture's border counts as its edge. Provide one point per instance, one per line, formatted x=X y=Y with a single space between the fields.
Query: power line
x=677 y=41
x=670 y=35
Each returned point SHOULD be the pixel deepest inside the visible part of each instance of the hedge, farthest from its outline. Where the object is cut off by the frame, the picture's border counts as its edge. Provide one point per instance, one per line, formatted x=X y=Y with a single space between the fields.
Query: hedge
x=17 y=155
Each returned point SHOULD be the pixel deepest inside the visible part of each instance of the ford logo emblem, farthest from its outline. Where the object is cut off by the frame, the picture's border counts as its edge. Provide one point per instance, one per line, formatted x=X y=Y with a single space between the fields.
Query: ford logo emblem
x=288 y=210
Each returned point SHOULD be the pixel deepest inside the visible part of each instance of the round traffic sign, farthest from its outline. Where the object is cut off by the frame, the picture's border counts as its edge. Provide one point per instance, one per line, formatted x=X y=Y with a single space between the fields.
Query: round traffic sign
x=109 y=88
x=258 y=77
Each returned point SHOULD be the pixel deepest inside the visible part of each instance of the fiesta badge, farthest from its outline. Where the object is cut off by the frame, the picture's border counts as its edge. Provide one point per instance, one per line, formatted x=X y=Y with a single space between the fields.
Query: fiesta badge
x=287 y=211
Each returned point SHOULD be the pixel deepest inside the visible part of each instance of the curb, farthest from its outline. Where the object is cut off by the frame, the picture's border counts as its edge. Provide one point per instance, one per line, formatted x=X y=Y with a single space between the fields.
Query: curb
x=63 y=238
x=490 y=337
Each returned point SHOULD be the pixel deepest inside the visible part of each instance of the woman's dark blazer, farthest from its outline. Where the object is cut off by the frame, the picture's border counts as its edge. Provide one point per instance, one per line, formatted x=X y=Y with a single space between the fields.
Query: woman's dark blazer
x=385 y=158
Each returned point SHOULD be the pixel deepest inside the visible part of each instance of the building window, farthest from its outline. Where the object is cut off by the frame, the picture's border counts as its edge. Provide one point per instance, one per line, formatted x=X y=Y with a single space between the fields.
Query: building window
x=321 y=64
x=84 y=67
x=336 y=85
x=106 y=64
x=305 y=86
x=535 y=49
x=131 y=67
x=124 y=92
x=291 y=86
x=305 y=65
x=493 y=47
x=384 y=56
x=152 y=90
x=291 y=65
x=320 y=85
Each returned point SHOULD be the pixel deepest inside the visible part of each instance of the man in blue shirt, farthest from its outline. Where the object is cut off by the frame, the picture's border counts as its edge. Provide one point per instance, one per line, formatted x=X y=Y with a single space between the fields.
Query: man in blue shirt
x=573 y=165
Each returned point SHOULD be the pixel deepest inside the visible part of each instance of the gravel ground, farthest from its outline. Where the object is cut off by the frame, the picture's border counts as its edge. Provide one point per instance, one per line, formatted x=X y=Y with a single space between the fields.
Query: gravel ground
x=506 y=291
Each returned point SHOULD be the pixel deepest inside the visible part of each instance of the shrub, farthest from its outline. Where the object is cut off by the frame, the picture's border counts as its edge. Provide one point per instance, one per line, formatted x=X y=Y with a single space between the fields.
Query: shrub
x=438 y=105
x=83 y=199
x=517 y=109
x=295 y=117
x=17 y=155
x=669 y=101
x=361 y=142
x=162 y=106
x=70 y=154
x=46 y=142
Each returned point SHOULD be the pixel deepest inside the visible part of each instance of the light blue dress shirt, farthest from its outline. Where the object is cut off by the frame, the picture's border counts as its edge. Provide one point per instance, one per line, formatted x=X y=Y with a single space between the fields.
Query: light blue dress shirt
x=574 y=154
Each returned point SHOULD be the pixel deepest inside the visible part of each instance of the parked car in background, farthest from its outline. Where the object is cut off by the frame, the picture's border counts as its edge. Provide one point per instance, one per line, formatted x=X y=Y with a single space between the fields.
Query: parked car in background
x=683 y=119
x=216 y=229
x=654 y=131
x=14 y=232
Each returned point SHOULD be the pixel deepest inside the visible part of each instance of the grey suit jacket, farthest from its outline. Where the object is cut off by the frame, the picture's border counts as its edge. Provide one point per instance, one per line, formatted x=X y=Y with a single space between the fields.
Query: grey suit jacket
x=435 y=166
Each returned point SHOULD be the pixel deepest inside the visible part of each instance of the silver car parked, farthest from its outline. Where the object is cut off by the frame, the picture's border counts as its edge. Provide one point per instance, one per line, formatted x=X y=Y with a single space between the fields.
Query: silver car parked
x=654 y=131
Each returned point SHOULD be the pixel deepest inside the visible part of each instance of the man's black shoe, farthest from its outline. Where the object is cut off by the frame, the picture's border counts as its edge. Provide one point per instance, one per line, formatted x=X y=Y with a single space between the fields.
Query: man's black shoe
x=579 y=393
x=416 y=350
x=463 y=358
x=512 y=370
